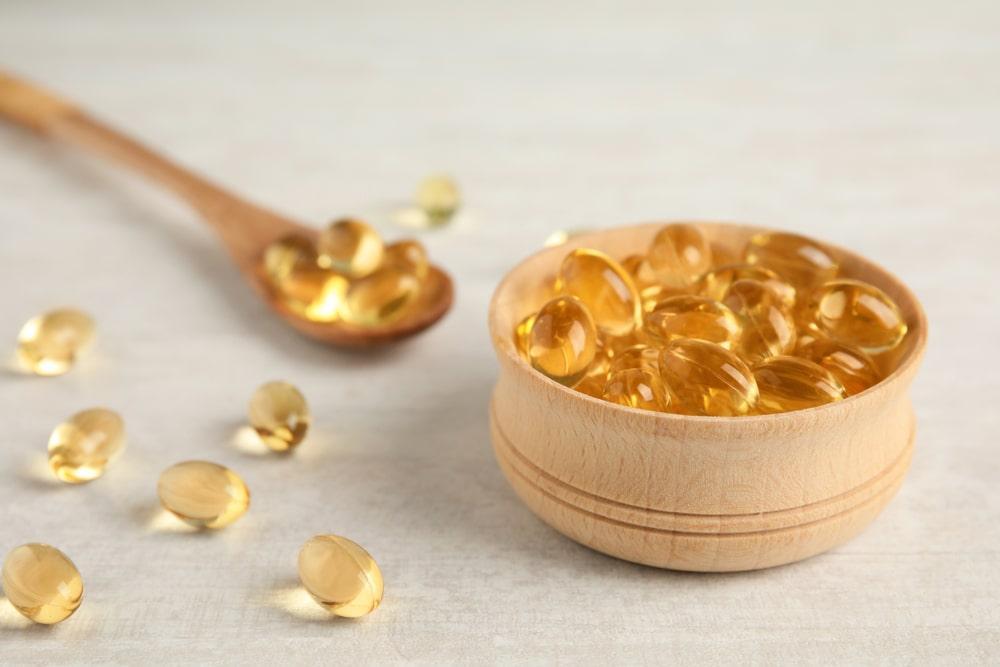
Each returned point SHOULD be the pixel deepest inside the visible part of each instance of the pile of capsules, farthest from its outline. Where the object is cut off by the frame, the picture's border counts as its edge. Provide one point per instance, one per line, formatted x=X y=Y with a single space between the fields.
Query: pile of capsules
x=680 y=330
x=349 y=275
x=44 y=585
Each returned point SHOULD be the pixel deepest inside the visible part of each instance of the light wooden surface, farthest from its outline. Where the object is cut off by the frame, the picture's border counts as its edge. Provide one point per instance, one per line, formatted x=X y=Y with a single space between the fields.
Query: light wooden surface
x=873 y=126
x=697 y=494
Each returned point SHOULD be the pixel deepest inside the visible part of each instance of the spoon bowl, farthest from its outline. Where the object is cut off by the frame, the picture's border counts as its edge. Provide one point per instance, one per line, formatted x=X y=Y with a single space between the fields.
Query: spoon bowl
x=430 y=305
x=244 y=228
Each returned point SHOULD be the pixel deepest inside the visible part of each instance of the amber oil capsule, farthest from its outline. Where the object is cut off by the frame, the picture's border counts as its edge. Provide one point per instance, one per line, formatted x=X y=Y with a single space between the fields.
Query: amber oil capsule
x=328 y=305
x=82 y=447
x=292 y=269
x=799 y=260
x=652 y=296
x=280 y=415
x=642 y=356
x=856 y=313
x=438 y=198
x=49 y=344
x=340 y=575
x=350 y=247
x=604 y=287
x=768 y=325
x=290 y=264
x=715 y=284
x=856 y=370
x=650 y=289
x=679 y=254
x=707 y=379
x=522 y=334
x=42 y=583
x=792 y=383
x=408 y=255
x=287 y=256
x=563 y=340
x=203 y=494
x=381 y=297
x=692 y=317
x=602 y=356
x=592 y=384
x=723 y=254
x=636 y=388
x=617 y=344
x=638 y=267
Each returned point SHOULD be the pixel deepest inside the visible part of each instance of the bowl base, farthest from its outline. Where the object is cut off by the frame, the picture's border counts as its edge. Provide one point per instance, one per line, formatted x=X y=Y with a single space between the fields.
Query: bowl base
x=697 y=542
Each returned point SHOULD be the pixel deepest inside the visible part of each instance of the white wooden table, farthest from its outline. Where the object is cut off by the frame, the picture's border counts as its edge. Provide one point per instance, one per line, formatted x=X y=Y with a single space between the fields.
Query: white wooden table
x=875 y=127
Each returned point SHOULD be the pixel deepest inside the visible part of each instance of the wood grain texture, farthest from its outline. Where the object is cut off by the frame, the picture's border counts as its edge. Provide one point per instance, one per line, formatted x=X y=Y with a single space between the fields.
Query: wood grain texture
x=697 y=493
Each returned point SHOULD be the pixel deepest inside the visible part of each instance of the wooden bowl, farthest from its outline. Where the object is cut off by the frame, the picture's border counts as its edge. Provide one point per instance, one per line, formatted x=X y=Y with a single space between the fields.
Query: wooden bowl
x=708 y=494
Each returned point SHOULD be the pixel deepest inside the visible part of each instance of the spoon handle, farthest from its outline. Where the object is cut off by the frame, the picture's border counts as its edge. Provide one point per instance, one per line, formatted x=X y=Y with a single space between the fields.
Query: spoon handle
x=29 y=106
x=241 y=225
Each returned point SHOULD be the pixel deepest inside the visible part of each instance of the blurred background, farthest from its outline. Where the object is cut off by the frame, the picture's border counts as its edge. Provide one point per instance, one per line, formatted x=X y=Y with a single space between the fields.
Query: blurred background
x=869 y=125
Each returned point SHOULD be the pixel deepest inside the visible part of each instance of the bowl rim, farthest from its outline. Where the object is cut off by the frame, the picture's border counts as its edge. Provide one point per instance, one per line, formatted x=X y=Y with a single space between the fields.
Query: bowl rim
x=908 y=363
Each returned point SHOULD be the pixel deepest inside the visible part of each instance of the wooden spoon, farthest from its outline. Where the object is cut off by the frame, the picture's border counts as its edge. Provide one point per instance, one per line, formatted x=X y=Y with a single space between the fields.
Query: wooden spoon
x=244 y=228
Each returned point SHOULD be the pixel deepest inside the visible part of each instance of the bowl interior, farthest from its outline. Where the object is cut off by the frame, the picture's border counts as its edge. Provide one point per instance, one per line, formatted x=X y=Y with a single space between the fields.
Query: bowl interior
x=528 y=286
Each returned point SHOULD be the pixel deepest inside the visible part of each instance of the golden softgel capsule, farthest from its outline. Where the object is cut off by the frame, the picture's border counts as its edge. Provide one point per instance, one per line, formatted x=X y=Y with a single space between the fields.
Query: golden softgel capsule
x=768 y=325
x=678 y=255
x=592 y=385
x=856 y=313
x=340 y=575
x=715 y=284
x=203 y=494
x=604 y=287
x=707 y=379
x=408 y=255
x=280 y=415
x=636 y=356
x=791 y=383
x=691 y=316
x=799 y=260
x=49 y=344
x=724 y=254
x=855 y=369
x=381 y=297
x=290 y=263
x=522 y=334
x=42 y=583
x=292 y=269
x=350 y=247
x=650 y=289
x=438 y=198
x=563 y=340
x=602 y=357
x=636 y=388
x=81 y=448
